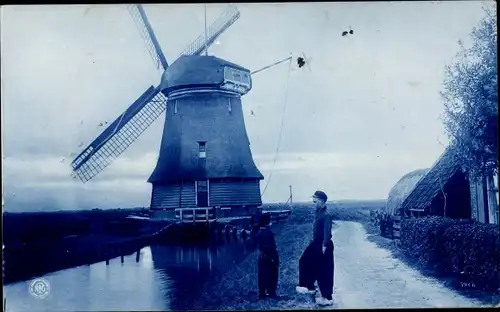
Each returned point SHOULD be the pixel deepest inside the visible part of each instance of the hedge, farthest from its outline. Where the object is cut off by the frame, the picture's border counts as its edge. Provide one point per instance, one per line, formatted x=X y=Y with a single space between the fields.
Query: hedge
x=450 y=246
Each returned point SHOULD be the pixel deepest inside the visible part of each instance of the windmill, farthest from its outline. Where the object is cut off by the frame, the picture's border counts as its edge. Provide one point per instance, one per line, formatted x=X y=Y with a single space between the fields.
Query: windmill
x=205 y=158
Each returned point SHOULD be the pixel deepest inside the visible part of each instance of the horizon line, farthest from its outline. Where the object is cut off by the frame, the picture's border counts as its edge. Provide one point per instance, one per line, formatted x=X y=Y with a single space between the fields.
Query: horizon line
x=142 y=207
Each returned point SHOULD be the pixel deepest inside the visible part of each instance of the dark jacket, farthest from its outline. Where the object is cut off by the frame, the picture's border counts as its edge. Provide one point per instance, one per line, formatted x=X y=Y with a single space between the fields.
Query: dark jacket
x=322 y=228
x=266 y=243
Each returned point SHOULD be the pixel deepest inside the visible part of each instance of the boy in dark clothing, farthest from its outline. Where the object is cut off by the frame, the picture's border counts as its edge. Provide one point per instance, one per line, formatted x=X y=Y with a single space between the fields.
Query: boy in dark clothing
x=317 y=262
x=268 y=259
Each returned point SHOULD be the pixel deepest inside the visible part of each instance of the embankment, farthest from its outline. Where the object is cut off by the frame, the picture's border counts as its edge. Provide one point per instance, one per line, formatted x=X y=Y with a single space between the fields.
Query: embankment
x=39 y=243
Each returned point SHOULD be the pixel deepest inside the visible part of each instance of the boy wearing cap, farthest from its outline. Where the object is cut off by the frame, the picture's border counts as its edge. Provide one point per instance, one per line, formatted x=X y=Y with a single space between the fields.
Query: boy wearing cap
x=268 y=265
x=316 y=263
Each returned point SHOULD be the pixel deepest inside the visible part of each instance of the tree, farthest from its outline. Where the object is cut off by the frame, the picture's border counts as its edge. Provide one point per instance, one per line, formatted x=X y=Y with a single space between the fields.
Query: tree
x=470 y=97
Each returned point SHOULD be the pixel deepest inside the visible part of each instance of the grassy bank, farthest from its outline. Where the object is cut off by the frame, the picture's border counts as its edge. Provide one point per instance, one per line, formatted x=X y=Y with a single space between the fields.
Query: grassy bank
x=64 y=239
x=237 y=289
x=28 y=227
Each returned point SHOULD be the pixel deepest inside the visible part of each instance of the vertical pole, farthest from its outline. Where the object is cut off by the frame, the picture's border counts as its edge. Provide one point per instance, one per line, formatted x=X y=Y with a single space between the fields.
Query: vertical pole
x=209 y=256
x=497 y=197
x=206 y=38
x=3 y=263
x=290 y=195
x=208 y=192
x=196 y=193
x=485 y=200
x=492 y=198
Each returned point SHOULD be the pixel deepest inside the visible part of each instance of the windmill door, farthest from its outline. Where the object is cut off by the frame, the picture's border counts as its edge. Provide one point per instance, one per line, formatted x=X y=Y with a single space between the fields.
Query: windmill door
x=201 y=194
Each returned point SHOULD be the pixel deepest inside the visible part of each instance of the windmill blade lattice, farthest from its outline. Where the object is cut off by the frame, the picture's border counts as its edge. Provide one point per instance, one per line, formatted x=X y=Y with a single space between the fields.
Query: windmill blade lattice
x=119 y=135
x=148 y=107
x=222 y=23
x=140 y=19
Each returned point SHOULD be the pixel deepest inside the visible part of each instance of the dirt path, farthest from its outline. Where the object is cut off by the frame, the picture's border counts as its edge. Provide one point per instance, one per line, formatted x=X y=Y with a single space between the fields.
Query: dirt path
x=367 y=276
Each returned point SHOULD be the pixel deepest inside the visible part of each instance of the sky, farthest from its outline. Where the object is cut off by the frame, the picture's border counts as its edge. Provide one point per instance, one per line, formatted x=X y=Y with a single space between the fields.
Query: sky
x=363 y=113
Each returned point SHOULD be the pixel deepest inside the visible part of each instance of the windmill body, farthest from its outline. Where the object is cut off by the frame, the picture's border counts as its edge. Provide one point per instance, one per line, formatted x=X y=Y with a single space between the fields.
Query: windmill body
x=205 y=158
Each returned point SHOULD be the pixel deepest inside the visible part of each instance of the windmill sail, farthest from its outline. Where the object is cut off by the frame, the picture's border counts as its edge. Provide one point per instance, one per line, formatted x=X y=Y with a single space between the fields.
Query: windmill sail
x=225 y=20
x=145 y=110
x=118 y=136
x=146 y=31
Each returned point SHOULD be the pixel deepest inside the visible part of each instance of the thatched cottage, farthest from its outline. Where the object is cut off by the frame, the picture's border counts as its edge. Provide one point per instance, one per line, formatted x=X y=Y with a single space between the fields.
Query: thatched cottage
x=401 y=189
x=446 y=190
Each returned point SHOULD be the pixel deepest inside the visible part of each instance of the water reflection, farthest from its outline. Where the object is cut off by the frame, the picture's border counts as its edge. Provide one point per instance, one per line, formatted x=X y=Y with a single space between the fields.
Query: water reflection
x=189 y=267
x=165 y=277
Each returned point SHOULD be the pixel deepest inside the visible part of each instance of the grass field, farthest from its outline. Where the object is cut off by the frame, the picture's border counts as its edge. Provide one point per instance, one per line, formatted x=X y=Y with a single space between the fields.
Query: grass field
x=31 y=226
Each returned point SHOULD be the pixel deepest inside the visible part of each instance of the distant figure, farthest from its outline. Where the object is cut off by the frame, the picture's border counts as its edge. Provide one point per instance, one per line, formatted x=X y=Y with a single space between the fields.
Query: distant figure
x=255 y=222
x=268 y=269
x=316 y=263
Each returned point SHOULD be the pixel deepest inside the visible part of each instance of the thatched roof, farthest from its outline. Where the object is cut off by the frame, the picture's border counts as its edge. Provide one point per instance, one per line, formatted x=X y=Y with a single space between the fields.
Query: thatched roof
x=204 y=117
x=402 y=188
x=430 y=185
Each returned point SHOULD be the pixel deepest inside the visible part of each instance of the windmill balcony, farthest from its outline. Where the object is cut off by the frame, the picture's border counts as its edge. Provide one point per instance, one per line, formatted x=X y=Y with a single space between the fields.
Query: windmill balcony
x=195 y=215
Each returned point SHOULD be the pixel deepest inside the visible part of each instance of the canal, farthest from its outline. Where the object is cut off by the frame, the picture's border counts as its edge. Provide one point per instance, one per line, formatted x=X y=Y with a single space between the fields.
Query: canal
x=159 y=277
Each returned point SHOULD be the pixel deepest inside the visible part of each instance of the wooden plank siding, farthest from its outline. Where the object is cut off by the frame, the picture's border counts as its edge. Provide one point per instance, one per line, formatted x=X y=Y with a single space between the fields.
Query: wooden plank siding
x=235 y=193
x=171 y=196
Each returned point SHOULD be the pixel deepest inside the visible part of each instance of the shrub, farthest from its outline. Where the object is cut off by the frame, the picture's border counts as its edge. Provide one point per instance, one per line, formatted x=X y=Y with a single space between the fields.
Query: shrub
x=450 y=246
x=474 y=245
x=386 y=228
x=422 y=239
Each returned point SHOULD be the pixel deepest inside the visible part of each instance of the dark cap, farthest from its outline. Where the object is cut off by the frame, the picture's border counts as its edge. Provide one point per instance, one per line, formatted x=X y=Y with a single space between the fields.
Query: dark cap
x=265 y=219
x=320 y=195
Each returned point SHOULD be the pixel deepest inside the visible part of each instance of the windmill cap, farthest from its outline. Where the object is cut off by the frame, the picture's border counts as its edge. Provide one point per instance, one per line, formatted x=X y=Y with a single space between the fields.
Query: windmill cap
x=320 y=195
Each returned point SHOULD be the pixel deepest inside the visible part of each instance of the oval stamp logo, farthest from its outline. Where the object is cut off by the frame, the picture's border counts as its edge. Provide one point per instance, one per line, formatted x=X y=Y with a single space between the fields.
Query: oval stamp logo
x=39 y=288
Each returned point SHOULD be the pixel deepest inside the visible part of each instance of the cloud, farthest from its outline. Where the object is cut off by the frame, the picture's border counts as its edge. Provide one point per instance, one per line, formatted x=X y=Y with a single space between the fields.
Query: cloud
x=46 y=184
x=319 y=161
x=342 y=174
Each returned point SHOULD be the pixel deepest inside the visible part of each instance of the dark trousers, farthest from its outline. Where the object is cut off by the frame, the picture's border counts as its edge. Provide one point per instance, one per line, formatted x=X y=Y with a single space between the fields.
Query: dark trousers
x=316 y=266
x=268 y=275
